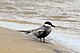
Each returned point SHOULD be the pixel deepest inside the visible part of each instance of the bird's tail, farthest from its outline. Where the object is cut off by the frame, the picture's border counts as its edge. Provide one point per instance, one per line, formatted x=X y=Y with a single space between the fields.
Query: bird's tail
x=24 y=31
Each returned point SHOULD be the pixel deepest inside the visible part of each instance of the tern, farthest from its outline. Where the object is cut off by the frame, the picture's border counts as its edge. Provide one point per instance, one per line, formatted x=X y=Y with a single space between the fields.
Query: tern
x=42 y=31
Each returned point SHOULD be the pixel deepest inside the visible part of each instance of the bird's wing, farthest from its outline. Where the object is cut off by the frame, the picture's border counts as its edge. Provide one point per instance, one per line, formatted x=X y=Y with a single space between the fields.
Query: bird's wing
x=38 y=32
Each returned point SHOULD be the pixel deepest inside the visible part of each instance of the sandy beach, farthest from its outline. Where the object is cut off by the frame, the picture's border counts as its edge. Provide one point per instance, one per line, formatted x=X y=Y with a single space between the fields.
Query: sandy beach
x=14 y=42
x=31 y=14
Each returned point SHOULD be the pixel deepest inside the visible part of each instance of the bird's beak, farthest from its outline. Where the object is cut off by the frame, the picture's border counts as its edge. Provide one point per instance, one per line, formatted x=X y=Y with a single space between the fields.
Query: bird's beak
x=53 y=26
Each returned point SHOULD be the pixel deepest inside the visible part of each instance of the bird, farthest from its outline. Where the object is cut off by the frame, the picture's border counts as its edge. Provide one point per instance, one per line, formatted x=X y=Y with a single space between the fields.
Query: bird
x=42 y=31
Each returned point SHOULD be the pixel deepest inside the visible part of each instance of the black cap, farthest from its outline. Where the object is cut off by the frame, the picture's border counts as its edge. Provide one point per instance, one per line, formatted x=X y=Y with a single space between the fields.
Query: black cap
x=47 y=22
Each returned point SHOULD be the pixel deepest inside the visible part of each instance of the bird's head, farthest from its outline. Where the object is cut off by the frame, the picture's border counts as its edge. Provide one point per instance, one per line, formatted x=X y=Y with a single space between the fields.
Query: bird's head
x=47 y=23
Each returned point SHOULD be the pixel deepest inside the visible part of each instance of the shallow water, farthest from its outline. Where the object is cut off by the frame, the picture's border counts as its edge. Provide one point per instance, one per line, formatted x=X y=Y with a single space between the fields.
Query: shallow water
x=27 y=14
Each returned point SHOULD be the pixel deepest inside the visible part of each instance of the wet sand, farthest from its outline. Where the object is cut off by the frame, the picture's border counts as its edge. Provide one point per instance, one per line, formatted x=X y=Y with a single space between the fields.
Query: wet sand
x=14 y=42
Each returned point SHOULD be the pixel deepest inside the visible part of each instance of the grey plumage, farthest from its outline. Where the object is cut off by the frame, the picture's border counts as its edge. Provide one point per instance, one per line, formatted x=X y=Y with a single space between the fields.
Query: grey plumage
x=41 y=32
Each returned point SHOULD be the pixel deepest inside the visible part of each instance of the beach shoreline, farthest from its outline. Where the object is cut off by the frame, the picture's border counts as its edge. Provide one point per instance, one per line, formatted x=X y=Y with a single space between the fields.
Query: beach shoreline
x=12 y=41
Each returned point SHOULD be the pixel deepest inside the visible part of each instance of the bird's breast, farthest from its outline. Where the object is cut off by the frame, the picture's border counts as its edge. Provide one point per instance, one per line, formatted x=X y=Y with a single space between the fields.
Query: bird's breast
x=48 y=30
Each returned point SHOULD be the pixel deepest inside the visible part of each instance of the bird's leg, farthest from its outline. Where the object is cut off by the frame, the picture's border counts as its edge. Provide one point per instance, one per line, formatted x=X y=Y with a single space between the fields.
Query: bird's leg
x=44 y=40
x=40 y=39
